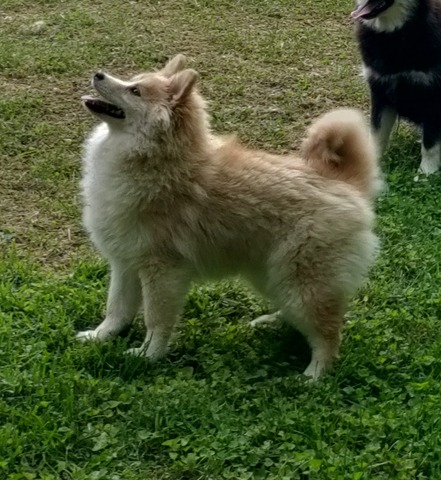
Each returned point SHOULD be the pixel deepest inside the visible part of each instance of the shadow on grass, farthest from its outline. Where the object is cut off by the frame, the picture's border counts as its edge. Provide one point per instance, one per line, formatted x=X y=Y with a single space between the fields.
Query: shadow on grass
x=255 y=354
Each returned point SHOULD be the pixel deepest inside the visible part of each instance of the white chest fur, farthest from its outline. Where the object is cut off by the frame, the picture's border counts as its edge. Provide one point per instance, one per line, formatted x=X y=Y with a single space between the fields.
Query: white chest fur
x=111 y=198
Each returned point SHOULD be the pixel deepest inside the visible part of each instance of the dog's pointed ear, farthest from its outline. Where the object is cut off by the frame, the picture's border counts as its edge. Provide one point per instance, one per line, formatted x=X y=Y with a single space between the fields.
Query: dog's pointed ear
x=181 y=85
x=175 y=65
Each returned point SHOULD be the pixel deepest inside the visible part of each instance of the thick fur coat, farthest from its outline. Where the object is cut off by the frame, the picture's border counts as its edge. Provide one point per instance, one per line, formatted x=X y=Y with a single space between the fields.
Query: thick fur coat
x=400 y=44
x=167 y=202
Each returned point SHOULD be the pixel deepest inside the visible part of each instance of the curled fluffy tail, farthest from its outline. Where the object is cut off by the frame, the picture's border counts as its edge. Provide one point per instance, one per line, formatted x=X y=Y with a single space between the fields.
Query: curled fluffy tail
x=338 y=146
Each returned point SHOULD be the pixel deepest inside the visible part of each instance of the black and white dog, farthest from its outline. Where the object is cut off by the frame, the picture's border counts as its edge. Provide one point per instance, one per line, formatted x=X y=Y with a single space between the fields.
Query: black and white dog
x=400 y=43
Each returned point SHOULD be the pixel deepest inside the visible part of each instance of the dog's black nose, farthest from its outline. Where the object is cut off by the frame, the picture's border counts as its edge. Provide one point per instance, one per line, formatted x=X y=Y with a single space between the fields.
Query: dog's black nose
x=99 y=76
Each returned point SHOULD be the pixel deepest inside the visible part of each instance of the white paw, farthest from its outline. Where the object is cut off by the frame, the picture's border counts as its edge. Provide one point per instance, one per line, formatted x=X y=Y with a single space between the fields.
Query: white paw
x=97 y=335
x=269 y=318
x=430 y=160
x=421 y=177
x=314 y=371
x=148 y=350
x=136 y=352
x=427 y=169
x=87 y=336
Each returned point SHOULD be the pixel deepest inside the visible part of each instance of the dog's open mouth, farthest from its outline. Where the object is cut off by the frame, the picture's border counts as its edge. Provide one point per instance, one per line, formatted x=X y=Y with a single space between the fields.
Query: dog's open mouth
x=102 y=107
x=370 y=9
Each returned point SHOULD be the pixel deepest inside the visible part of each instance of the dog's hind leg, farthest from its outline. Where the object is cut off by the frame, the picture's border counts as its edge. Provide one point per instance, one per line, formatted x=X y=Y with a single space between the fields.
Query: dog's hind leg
x=123 y=302
x=164 y=288
x=325 y=342
x=319 y=317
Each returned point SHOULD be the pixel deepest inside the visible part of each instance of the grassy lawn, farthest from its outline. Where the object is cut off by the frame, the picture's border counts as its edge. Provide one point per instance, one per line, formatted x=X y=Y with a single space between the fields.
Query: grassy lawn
x=229 y=401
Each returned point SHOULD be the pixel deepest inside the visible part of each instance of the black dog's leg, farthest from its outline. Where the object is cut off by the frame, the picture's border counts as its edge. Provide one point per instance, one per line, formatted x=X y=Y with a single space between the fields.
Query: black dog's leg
x=383 y=118
x=431 y=148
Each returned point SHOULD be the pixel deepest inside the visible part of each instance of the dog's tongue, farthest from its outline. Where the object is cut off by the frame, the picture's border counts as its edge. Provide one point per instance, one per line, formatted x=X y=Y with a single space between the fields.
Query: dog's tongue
x=361 y=11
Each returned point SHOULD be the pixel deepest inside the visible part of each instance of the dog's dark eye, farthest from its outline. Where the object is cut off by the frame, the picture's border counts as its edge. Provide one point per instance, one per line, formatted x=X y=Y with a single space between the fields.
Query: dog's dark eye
x=135 y=91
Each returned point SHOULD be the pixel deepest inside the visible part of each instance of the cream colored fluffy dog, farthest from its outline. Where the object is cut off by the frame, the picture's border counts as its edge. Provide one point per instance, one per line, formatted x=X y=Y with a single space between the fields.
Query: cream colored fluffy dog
x=167 y=203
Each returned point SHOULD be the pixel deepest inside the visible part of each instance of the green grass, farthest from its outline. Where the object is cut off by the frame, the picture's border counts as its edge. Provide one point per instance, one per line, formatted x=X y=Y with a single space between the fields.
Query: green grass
x=229 y=401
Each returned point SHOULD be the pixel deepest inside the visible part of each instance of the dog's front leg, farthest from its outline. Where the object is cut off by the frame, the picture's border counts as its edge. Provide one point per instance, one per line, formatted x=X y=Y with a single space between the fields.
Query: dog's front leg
x=122 y=304
x=164 y=288
x=430 y=149
x=383 y=119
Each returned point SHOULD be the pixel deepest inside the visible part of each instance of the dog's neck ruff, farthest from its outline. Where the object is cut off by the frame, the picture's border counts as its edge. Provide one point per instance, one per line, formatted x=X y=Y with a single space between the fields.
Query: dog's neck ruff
x=394 y=17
